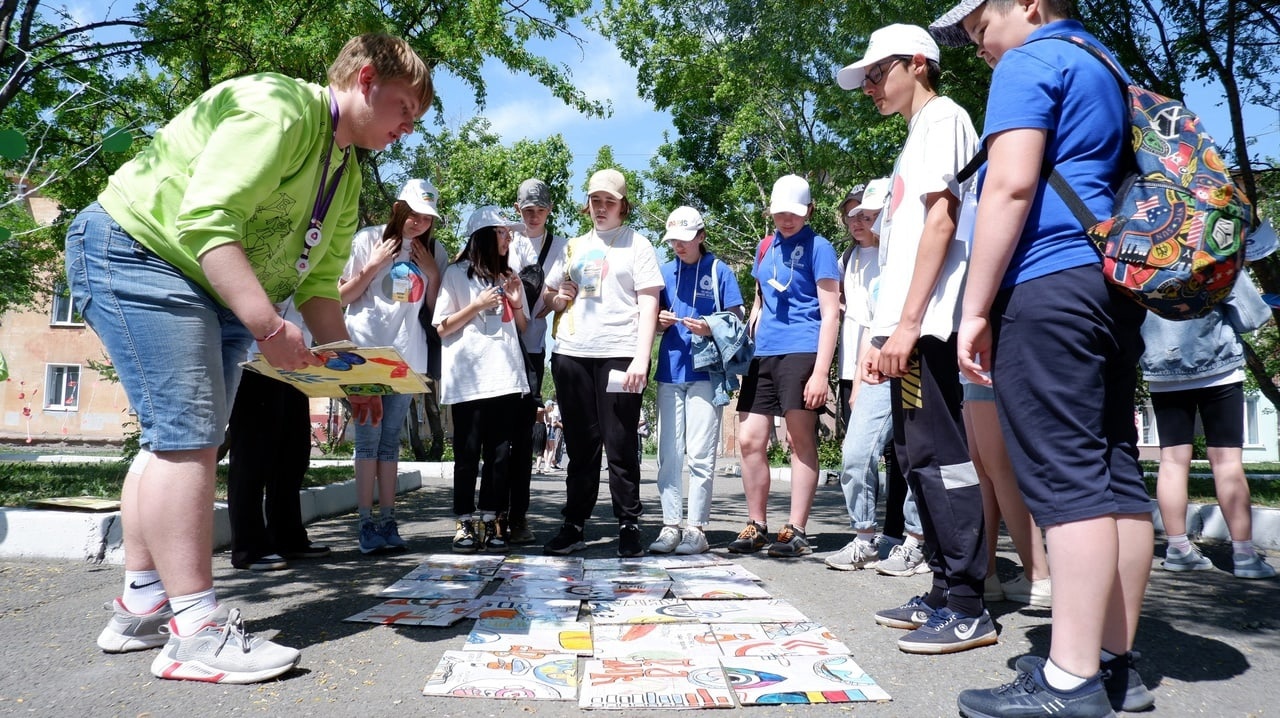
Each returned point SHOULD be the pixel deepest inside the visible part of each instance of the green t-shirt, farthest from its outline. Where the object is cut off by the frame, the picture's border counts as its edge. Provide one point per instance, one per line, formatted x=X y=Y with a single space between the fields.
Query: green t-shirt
x=242 y=164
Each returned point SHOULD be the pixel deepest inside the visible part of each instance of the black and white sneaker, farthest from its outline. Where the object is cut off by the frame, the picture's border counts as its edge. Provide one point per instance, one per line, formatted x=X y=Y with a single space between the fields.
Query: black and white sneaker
x=629 y=541
x=569 y=539
x=948 y=632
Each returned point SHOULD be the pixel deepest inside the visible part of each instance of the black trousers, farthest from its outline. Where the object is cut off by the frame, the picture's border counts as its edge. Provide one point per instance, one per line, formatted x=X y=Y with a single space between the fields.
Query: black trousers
x=482 y=429
x=928 y=435
x=520 y=474
x=269 y=437
x=596 y=421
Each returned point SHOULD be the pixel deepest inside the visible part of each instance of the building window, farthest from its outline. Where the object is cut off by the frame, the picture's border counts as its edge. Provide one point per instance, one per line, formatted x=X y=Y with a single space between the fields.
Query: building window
x=1251 y=420
x=62 y=387
x=64 y=310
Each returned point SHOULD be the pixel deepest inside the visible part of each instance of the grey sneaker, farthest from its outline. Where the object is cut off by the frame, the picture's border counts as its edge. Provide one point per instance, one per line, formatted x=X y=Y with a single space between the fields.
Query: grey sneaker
x=1192 y=560
x=390 y=533
x=370 y=540
x=855 y=555
x=903 y=561
x=791 y=543
x=692 y=541
x=750 y=539
x=667 y=541
x=912 y=614
x=948 y=632
x=128 y=631
x=222 y=652
x=1254 y=566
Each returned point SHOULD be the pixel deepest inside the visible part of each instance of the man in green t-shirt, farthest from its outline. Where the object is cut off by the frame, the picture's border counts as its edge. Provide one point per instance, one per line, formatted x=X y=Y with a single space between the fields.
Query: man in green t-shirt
x=247 y=198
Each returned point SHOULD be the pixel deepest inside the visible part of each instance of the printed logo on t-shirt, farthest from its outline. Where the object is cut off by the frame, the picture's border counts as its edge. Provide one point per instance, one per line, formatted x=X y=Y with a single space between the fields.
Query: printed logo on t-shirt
x=266 y=244
x=589 y=271
x=404 y=283
x=706 y=288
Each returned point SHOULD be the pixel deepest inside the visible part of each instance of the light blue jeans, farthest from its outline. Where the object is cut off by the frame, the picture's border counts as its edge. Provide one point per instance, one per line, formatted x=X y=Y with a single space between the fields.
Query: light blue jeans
x=688 y=431
x=382 y=442
x=176 y=349
x=870 y=426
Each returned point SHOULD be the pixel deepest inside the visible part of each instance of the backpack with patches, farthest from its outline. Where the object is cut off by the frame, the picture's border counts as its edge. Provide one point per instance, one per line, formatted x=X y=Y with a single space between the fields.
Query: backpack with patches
x=1175 y=240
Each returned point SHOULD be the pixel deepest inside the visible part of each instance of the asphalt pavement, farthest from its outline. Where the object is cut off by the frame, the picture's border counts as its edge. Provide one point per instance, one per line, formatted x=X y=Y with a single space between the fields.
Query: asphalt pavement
x=1210 y=642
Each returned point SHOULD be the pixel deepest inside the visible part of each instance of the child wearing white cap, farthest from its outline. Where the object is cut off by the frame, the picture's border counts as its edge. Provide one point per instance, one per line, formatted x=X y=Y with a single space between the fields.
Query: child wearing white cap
x=388 y=278
x=795 y=320
x=922 y=268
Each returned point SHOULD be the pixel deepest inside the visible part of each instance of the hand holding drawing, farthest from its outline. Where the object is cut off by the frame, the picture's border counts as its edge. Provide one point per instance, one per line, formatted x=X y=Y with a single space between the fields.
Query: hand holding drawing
x=287 y=350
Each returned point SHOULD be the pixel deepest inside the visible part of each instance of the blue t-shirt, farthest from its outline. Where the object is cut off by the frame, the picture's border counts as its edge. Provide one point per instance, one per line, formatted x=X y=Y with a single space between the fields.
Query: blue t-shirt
x=1056 y=86
x=790 y=320
x=675 y=355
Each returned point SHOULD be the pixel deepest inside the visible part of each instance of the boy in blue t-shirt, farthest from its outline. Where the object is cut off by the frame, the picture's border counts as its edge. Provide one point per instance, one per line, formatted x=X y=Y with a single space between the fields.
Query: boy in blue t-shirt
x=1062 y=345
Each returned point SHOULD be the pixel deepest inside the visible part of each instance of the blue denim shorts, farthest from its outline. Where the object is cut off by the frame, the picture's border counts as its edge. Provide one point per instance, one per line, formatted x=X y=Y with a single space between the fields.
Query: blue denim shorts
x=176 y=349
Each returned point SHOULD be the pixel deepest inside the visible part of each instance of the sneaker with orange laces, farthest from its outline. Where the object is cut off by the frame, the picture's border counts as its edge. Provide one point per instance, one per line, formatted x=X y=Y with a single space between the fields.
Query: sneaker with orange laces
x=752 y=539
x=791 y=543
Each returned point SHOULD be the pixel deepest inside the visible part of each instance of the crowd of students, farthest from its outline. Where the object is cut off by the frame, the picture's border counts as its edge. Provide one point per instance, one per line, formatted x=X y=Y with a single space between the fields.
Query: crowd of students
x=998 y=364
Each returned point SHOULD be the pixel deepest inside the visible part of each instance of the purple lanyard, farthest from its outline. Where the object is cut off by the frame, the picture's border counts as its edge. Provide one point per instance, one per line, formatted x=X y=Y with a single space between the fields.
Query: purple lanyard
x=324 y=193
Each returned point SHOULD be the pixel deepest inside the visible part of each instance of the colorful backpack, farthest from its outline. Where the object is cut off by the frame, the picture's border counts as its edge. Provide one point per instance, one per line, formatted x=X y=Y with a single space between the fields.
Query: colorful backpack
x=1175 y=240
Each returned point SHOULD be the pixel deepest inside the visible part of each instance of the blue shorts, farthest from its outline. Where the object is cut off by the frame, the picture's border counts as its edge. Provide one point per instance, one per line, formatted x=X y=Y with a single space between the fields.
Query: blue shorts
x=176 y=349
x=1066 y=358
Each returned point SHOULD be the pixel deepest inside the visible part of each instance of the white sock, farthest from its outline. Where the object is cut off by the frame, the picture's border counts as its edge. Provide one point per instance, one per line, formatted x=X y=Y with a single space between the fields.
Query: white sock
x=1060 y=680
x=1243 y=547
x=1179 y=543
x=911 y=542
x=190 y=611
x=866 y=536
x=384 y=514
x=143 y=591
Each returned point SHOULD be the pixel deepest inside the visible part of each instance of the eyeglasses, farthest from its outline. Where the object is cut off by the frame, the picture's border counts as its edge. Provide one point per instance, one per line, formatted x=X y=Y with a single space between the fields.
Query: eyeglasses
x=862 y=217
x=876 y=73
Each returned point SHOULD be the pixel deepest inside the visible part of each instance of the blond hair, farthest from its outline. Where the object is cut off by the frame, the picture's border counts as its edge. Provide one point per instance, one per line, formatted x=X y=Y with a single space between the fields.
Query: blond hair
x=391 y=58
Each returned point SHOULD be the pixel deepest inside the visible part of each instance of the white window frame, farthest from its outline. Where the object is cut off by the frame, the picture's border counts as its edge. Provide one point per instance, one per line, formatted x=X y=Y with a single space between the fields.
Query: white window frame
x=56 y=388
x=62 y=310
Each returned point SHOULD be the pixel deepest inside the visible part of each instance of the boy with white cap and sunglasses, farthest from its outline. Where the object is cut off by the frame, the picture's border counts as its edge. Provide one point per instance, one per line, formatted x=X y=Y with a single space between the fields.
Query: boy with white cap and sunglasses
x=1039 y=316
x=913 y=339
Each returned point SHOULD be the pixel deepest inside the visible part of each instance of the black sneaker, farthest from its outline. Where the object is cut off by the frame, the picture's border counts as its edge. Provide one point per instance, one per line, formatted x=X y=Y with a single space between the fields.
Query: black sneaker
x=752 y=539
x=310 y=550
x=629 y=541
x=791 y=543
x=569 y=539
x=948 y=632
x=464 y=537
x=1030 y=695
x=912 y=614
x=494 y=538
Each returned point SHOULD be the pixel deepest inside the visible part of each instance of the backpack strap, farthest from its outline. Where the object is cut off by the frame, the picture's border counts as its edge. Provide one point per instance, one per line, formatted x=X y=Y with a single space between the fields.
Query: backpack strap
x=715 y=286
x=545 y=251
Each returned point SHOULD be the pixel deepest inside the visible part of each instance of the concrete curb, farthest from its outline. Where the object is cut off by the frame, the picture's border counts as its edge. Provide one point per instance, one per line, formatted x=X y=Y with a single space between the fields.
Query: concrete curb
x=97 y=538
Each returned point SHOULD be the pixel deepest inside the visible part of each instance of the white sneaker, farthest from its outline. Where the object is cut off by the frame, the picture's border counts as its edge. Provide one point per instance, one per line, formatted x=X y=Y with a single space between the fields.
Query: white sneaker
x=903 y=560
x=992 y=590
x=667 y=540
x=128 y=631
x=693 y=541
x=222 y=652
x=855 y=555
x=1035 y=593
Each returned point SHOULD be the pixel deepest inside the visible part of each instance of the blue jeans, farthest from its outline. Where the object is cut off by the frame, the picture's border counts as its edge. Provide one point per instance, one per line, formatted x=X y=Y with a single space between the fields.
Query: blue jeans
x=869 y=429
x=688 y=428
x=382 y=442
x=176 y=349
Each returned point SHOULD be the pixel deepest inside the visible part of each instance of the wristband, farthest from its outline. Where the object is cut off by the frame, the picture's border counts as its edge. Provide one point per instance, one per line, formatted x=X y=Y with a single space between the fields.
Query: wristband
x=273 y=334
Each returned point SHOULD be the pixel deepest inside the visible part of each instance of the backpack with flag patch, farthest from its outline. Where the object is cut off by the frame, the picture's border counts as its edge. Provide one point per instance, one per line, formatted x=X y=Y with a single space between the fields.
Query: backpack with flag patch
x=1175 y=240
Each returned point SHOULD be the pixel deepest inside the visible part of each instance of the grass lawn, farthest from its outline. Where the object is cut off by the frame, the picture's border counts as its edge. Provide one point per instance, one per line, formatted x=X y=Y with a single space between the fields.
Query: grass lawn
x=21 y=482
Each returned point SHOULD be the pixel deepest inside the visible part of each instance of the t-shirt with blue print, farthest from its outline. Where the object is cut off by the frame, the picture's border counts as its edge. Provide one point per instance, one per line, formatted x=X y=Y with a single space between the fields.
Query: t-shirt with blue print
x=1056 y=86
x=675 y=351
x=790 y=320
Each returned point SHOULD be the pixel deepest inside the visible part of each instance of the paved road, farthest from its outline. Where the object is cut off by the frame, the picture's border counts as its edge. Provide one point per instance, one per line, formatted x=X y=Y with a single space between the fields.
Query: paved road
x=1211 y=642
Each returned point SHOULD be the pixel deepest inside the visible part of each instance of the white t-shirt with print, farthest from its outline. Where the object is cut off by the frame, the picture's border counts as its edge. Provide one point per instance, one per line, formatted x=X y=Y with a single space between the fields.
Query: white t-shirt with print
x=386 y=314
x=940 y=141
x=524 y=251
x=610 y=269
x=482 y=359
x=861 y=279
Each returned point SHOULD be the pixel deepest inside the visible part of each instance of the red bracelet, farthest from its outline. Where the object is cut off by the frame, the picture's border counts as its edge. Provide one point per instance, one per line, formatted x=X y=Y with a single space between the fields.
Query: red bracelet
x=274 y=334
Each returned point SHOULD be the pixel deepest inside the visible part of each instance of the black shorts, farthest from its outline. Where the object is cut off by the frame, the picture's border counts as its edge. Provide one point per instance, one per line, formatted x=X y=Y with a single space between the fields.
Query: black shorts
x=775 y=385
x=1221 y=410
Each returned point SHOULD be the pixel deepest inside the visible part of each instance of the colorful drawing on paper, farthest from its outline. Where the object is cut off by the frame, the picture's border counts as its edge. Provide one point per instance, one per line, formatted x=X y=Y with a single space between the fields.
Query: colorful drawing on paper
x=628 y=572
x=772 y=610
x=642 y=610
x=474 y=563
x=612 y=683
x=518 y=675
x=429 y=588
x=723 y=570
x=538 y=572
x=777 y=639
x=671 y=561
x=526 y=634
x=772 y=680
x=415 y=612
x=557 y=609
x=640 y=641
x=717 y=588
x=348 y=370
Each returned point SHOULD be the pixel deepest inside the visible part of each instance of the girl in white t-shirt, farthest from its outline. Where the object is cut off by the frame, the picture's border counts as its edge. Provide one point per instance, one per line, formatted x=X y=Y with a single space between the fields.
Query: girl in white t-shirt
x=479 y=316
x=386 y=281
x=604 y=290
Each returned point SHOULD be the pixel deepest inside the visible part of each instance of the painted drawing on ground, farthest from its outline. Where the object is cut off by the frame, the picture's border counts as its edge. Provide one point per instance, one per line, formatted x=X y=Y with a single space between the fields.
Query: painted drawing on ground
x=513 y=675
x=613 y=683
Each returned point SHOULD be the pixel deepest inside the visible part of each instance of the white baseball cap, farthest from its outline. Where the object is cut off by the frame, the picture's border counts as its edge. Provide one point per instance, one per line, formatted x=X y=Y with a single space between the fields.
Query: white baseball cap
x=491 y=216
x=684 y=224
x=610 y=182
x=873 y=197
x=421 y=196
x=790 y=194
x=1260 y=242
x=889 y=41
